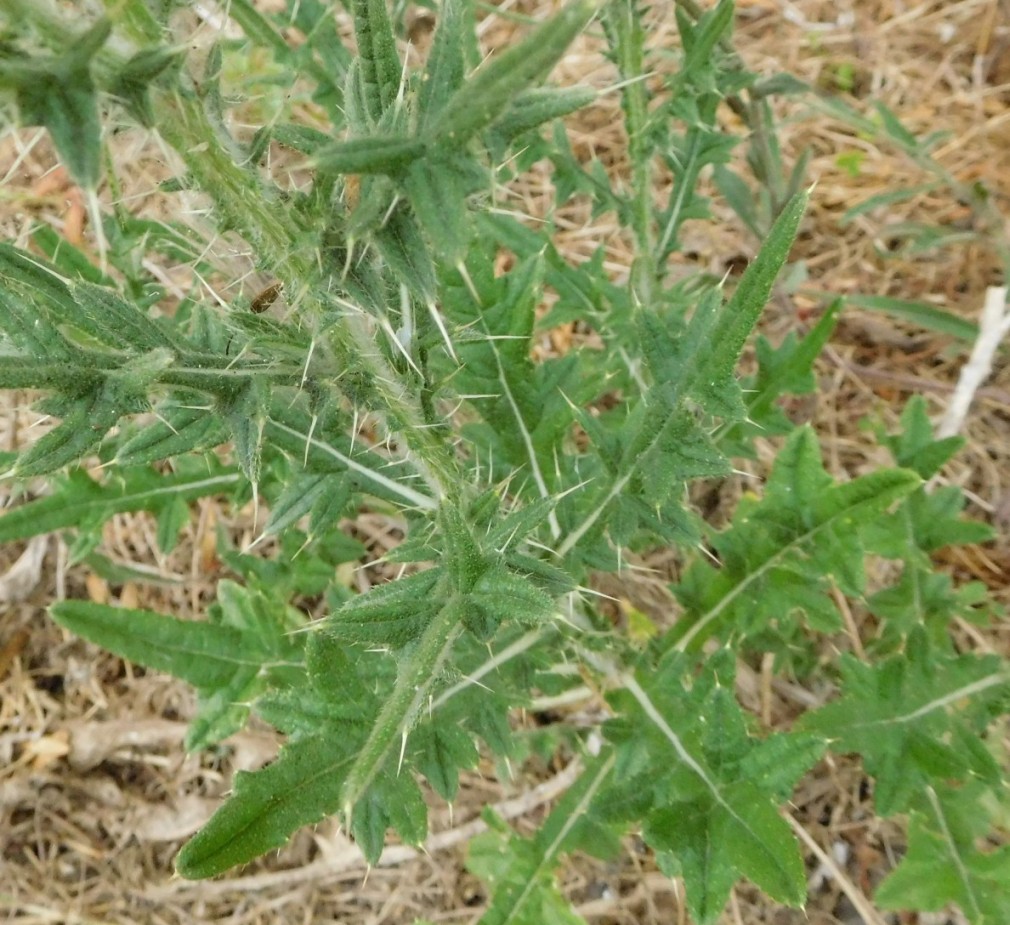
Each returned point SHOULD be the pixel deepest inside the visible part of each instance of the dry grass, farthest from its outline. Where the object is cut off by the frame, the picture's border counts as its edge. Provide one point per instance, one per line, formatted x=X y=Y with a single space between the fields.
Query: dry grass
x=95 y=791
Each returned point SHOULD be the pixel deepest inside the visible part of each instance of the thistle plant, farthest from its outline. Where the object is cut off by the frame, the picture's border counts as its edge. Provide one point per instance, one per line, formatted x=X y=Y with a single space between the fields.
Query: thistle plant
x=400 y=378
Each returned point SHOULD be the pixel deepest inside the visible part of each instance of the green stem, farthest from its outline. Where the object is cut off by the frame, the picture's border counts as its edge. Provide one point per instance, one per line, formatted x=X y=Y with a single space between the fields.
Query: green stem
x=627 y=41
x=680 y=197
x=280 y=244
x=416 y=675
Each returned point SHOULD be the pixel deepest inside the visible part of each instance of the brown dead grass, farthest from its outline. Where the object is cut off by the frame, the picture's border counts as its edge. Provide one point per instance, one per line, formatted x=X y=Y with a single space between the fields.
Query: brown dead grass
x=95 y=791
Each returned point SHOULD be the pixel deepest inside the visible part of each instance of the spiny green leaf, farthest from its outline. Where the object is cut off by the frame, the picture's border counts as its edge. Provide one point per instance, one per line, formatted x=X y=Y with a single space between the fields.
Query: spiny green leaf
x=521 y=872
x=331 y=507
x=552 y=580
x=332 y=673
x=717 y=842
x=223 y=710
x=541 y=105
x=63 y=309
x=373 y=154
x=390 y=614
x=709 y=31
x=443 y=72
x=418 y=674
x=29 y=329
x=945 y=863
x=502 y=595
x=245 y=413
x=301 y=787
x=249 y=610
x=107 y=316
x=778 y=553
x=401 y=244
x=741 y=312
x=922 y=597
x=688 y=746
x=776 y=763
x=787 y=369
x=408 y=813
x=81 y=500
x=368 y=824
x=437 y=190
x=27 y=273
x=464 y=559
x=441 y=751
x=132 y=82
x=21 y=372
x=915 y=447
x=179 y=429
x=528 y=406
x=926 y=522
x=681 y=451
x=81 y=431
x=60 y=94
x=171 y=519
x=378 y=60
x=328 y=451
x=739 y=196
x=301 y=138
x=297 y=499
x=356 y=107
x=392 y=800
x=202 y=654
x=890 y=712
x=486 y=95
x=98 y=311
x=510 y=530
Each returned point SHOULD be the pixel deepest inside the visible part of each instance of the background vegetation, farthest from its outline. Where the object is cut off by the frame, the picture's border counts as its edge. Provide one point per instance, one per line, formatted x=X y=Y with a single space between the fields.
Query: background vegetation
x=400 y=307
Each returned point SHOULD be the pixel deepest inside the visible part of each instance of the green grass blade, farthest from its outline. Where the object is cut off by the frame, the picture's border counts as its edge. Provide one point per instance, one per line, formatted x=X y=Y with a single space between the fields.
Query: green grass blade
x=922 y=314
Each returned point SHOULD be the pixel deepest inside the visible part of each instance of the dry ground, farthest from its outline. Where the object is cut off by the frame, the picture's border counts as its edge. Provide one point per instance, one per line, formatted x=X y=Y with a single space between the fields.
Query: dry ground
x=95 y=791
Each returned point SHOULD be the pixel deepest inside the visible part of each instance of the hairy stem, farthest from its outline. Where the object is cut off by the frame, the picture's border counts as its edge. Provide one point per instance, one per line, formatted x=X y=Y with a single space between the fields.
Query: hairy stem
x=416 y=676
x=627 y=39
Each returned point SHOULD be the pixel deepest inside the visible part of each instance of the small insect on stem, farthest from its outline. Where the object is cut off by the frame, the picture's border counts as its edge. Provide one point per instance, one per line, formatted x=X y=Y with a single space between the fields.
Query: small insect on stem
x=352 y=190
x=266 y=298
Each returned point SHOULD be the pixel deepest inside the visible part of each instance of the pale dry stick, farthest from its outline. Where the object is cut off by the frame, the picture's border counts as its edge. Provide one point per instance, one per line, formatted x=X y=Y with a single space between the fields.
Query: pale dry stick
x=734 y=905
x=351 y=863
x=23 y=151
x=856 y=896
x=42 y=914
x=678 y=891
x=850 y=622
x=793 y=14
x=993 y=327
x=23 y=577
x=999 y=397
x=920 y=13
x=62 y=558
x=766 y=678
x=982 y=644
